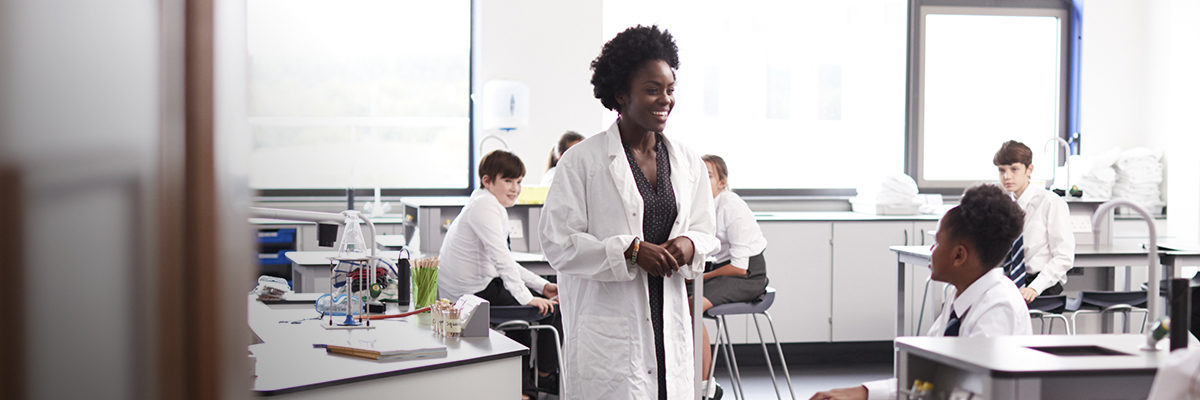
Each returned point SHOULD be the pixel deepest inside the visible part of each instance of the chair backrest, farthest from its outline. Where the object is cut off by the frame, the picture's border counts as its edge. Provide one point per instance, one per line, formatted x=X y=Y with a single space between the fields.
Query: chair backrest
x=1050 y=304
x=1108 y=299
x=501 y=314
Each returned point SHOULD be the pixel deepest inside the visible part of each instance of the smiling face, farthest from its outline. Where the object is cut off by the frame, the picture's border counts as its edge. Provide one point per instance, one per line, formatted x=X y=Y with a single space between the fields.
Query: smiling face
x=650 y=97
x=1015 y=177
x=505 y=189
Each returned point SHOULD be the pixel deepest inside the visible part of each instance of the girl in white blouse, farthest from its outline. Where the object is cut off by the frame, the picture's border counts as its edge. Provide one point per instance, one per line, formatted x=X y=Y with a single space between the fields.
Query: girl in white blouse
x=740 y=272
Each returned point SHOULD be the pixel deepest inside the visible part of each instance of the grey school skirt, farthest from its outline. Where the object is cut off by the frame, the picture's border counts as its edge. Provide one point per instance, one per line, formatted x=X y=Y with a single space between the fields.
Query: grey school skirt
x=732 y=289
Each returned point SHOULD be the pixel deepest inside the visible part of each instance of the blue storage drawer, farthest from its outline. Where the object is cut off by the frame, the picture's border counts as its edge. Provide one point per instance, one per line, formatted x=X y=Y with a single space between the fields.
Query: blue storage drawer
x=274 y=258
x=287 y=235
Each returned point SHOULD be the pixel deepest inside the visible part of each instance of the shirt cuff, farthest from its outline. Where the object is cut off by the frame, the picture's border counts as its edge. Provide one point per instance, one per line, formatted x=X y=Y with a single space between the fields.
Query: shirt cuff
x=537 y=284
x=884 y=389
x=523 y=296
x=1040 y=284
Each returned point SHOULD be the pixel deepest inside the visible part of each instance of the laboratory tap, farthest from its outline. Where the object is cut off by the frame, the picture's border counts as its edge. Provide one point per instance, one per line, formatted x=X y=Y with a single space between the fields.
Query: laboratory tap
x=1054 y=164
x=1155 y=272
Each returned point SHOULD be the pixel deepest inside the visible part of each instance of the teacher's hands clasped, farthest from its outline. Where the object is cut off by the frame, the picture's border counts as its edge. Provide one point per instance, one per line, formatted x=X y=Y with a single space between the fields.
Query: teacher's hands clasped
x=664 y=260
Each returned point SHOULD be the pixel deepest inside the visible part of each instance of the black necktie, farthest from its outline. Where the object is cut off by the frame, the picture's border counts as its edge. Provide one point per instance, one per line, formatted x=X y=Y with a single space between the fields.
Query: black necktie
x=954 y=323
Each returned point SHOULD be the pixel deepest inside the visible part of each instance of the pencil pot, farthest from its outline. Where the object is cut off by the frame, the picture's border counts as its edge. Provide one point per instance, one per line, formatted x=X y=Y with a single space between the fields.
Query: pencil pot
x=424 y=287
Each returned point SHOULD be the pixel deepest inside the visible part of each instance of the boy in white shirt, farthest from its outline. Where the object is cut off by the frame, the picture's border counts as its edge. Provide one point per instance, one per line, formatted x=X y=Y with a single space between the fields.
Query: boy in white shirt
x=1048 y=243
x=475 y=257
x=972 y=239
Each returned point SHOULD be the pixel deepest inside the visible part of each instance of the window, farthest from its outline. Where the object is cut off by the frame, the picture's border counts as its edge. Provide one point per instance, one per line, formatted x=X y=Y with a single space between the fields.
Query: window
x=985 y=75
x=359 y=93
x=794 y=95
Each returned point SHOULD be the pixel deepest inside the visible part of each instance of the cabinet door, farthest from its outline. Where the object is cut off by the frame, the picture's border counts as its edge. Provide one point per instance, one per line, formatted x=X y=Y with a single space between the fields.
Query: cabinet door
x=864 y=279
x=798 y=266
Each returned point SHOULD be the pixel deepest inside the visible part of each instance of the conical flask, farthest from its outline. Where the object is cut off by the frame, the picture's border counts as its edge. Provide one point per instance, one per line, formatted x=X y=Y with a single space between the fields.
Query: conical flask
x=353 y=246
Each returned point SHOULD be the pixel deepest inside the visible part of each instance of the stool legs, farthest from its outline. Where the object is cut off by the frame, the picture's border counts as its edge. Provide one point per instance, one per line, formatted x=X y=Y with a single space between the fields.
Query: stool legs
x=558 y=353
x=731 y=360
x=782 y=361
x=724 y=342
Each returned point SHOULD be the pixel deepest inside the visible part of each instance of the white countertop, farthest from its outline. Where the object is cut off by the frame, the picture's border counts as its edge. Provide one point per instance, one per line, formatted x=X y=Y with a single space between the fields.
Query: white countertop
x=286 y=360
x=837 y=216
x=1011 y=355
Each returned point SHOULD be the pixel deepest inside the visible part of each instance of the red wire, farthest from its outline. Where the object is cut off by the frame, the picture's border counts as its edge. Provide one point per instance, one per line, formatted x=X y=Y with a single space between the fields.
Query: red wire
x=401 y=315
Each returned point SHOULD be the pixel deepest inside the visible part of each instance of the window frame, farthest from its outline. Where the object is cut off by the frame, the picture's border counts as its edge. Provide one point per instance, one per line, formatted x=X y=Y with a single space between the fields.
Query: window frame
x=363 y=192
x=1068 y=106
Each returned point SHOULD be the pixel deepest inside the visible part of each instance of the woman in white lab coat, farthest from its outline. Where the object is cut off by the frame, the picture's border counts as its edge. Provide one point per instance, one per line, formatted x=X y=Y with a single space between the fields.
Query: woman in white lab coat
x=628 y=218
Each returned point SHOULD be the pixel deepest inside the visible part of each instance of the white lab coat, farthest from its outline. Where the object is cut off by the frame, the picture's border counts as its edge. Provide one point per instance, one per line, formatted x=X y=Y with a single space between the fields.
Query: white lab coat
x=592 y=213
x=1178 y=376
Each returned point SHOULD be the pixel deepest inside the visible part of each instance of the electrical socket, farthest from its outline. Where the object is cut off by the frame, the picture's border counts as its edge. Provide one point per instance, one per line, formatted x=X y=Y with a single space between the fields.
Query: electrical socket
x=515 y=229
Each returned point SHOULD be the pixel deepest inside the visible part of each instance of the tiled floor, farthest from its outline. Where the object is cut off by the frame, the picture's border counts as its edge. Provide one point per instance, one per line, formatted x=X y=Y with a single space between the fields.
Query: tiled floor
x=806 y=380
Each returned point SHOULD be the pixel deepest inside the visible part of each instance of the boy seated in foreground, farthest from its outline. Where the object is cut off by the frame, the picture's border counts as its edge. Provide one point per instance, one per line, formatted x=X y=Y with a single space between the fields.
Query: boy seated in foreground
x=971 y=242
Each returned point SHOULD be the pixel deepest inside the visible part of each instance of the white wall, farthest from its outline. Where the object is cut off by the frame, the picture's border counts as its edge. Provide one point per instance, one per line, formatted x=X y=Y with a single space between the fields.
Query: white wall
x=1138 y=89
x=549 y=46
x=1174 y=59
x=1113 y=75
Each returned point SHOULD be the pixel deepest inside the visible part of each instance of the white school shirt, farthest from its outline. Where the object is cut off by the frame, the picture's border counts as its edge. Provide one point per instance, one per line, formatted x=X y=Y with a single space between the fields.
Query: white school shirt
x=592 y=213
x=548 y=178
x=991 y=306
x=737 y=231
x=1049 y=242
x=475 y=251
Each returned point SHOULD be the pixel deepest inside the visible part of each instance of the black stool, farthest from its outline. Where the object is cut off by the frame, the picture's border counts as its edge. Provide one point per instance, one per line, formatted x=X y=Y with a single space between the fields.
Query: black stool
x=1103 y=302
x=1050 y=308
x=516 y=318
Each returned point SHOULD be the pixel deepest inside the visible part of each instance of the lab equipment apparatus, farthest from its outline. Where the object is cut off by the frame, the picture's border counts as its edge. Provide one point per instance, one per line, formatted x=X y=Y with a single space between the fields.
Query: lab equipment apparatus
x=355 y=251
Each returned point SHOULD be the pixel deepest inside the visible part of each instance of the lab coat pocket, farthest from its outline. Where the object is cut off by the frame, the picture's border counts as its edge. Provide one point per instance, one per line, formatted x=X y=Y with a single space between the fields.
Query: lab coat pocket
x=605 y=352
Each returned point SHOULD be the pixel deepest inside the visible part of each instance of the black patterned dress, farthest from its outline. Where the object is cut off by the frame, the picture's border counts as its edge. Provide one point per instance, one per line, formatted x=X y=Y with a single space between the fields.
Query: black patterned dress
x=658 y=216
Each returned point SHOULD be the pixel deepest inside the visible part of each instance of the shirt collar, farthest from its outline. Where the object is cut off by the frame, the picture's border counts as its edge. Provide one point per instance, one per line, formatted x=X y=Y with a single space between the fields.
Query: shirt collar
x=975 y=292
x=481 y=193
x=1031 y=193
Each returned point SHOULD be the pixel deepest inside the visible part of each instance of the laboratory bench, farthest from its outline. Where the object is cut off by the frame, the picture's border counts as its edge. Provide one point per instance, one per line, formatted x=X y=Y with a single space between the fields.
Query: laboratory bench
x=821 y=263
x=1031 y=367
x=286 y=363
x=1121 y=253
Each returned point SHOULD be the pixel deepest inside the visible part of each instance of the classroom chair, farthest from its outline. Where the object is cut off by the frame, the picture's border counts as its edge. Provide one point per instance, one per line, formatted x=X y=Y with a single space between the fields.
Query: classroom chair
x=1050 y=308
x=752 y=308
x=515 y=318
x=1104 y=302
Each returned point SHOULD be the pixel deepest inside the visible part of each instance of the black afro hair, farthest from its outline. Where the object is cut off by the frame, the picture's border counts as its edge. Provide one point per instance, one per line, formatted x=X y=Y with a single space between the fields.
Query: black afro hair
x=988 y=219
x=625 y=53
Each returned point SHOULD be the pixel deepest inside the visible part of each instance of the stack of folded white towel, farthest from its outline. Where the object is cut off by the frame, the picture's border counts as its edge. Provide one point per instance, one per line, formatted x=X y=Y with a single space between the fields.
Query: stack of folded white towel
x=893 y=194
x=1139 y=175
